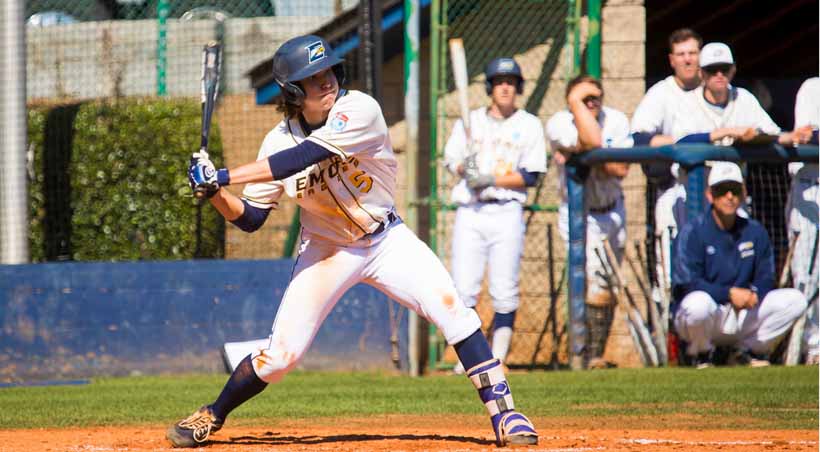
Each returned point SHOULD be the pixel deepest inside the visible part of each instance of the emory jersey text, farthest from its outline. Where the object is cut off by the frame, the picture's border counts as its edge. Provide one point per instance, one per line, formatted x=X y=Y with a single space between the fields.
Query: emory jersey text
x=349 y=195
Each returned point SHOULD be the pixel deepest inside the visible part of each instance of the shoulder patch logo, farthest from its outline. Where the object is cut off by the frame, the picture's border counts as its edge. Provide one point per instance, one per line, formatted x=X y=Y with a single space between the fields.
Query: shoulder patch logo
x=316 y=52
x=710 y=250
x=339 y=122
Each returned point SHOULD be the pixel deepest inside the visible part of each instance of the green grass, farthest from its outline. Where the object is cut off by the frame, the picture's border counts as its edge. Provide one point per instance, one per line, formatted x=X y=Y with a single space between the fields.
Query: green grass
x=767 y=398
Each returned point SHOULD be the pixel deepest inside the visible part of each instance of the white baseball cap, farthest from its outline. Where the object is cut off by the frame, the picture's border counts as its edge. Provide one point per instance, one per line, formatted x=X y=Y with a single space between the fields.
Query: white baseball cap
x=715 y=53
x=725 y=172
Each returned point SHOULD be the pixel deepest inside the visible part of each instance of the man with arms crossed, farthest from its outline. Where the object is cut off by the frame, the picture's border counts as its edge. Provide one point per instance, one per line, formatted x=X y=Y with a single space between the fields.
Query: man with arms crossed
x=724 y=277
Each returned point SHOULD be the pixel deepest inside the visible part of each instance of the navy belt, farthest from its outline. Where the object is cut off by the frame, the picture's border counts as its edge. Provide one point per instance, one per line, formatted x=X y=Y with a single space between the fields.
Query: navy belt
x=494 y=201
x=391 y=218
x=603 y=209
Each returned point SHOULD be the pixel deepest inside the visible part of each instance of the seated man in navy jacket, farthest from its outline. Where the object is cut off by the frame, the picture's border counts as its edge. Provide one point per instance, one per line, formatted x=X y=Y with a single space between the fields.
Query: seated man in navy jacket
x=724 y=274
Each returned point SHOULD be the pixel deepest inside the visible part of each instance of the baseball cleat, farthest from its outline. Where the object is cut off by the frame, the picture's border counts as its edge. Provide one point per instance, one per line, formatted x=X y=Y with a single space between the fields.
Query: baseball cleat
x=194 y=430
x=514 y=429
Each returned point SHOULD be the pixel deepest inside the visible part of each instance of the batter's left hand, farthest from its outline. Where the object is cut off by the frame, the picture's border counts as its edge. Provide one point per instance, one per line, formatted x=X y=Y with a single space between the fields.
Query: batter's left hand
x=202 y=175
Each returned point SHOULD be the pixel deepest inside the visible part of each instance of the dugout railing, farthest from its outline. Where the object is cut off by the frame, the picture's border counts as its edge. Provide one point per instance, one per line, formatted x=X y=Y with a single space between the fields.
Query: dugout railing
x=692 y=159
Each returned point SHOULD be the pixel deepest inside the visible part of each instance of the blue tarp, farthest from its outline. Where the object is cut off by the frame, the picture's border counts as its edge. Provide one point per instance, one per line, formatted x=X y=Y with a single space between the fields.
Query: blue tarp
x=86 y=319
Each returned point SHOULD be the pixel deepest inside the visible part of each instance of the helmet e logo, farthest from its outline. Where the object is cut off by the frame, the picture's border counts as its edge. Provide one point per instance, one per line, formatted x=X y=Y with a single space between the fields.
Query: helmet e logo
x=505 y=65
x=316 y=52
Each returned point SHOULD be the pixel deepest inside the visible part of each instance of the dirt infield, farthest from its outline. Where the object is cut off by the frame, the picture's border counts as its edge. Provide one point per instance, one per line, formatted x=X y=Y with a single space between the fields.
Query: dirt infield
x=410 y=433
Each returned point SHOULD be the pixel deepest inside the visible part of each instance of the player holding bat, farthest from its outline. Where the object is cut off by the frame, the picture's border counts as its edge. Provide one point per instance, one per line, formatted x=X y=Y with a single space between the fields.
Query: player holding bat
x=497 y=151
x=332 y=154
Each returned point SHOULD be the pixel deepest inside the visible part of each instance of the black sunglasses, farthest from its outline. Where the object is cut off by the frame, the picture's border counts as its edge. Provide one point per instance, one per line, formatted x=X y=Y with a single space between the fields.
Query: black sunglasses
x=588 y=99
x=715 y=68
x=721 y=189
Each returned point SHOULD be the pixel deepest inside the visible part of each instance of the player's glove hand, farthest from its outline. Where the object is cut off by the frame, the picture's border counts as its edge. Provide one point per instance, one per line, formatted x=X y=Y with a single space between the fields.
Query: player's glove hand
x=202 y=175
x=481 y=181
x=470 y=167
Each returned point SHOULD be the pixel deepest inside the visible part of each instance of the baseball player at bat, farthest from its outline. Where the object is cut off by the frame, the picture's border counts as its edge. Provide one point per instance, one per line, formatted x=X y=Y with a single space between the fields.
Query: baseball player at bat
x=802 y=215
x=332 y=154
x=586 y=125
x=506 y=154
x=724 y=277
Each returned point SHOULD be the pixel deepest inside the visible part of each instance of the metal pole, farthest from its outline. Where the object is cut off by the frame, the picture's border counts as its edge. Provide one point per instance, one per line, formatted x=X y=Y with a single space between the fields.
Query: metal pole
x=13 y=184
x=411 y=120
x=695 y=196
x=163 y=9
x=594 y=44
x=577 y=267
x=432 y=208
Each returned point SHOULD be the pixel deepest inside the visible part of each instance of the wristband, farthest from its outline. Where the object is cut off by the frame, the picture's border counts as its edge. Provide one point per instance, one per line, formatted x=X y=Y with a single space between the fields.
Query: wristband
x=223 y=178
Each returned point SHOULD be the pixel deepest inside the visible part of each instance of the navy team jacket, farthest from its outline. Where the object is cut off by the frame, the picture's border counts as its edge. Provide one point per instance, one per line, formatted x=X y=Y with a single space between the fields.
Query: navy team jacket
x=713 y=260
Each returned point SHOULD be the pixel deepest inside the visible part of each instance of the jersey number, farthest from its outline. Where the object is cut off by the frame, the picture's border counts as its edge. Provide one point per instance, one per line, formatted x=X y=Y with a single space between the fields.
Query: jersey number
x=361 y=181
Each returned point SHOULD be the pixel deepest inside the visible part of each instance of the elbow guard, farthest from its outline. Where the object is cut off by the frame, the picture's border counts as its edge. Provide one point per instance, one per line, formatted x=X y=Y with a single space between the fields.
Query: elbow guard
x=252 y=218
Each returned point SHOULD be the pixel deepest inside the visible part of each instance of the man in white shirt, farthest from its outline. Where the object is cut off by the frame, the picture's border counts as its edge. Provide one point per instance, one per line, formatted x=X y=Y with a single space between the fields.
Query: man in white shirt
x=586 y=125
x=652 y=126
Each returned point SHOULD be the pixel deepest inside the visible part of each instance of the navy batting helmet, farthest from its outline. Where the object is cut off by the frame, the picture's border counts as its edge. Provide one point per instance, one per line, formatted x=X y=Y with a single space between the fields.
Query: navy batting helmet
x=503 y=66
x=300 y=58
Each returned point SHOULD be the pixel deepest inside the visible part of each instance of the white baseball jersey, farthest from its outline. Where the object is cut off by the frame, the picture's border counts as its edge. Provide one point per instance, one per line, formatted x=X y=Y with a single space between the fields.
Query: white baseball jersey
x=349 y=195
x=600 y=189
x=502 y=146
x=696 y=115
x=349 y=236
x=657 y=110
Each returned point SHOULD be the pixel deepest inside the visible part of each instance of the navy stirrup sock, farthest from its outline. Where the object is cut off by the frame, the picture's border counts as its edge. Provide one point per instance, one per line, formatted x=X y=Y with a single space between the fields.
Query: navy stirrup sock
x=474 y=350
x=241 y=386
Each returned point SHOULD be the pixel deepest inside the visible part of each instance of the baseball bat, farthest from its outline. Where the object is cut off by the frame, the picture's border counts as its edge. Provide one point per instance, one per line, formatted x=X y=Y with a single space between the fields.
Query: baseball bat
x=784 y=273
x=658 y=330
x=632 y=322
x=458 y=60
x=630 y=307
x=211 y=68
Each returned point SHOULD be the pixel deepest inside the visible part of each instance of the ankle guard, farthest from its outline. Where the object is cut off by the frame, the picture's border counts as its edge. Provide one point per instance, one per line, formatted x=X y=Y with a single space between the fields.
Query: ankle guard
x=488 y=378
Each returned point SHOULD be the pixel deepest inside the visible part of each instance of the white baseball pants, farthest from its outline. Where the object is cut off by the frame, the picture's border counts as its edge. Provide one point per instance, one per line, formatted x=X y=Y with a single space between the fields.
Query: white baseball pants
x=400 y=265
x=802 y=215
x=611 y=226
x=488 y=233
x=702 y=322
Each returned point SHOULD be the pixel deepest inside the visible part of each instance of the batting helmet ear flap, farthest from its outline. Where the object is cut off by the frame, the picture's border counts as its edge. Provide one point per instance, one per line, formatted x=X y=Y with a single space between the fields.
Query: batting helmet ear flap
x=292 y=92
x=339 y=72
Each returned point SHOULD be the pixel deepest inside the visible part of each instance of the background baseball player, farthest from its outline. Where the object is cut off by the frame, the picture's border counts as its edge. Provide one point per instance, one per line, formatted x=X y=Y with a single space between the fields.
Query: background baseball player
x=652 y=126
x=801 y=214
x=332 y=154
x=724 y=275
x=585 y=125
x=506 y=153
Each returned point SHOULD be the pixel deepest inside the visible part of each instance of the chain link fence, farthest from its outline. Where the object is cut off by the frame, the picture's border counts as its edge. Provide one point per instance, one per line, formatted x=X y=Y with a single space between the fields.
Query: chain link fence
x=100 y=52
x=546 y=38
x=538 y=34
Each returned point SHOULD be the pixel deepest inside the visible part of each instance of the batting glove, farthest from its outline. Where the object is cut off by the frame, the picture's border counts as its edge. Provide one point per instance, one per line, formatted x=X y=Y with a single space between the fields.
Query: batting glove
x=470 y=167
x=202 y=175
x=481 y=181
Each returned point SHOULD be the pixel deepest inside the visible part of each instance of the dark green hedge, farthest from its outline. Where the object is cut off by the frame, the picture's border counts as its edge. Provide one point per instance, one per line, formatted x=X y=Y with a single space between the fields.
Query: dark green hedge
x=36 y=192
x=127 y=186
